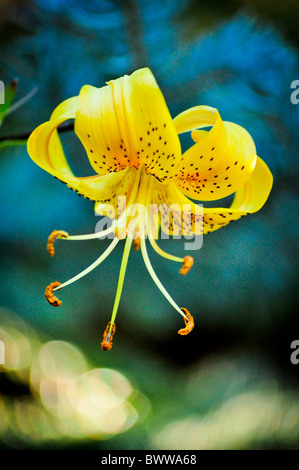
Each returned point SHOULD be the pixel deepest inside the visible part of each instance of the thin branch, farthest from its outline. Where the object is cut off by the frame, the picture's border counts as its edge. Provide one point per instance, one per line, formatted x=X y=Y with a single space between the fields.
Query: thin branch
x=22 y=101
x=25 y=135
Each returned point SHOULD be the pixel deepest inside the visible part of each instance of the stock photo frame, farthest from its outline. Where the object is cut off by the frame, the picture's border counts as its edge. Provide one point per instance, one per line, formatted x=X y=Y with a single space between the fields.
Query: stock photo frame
x=149 y=229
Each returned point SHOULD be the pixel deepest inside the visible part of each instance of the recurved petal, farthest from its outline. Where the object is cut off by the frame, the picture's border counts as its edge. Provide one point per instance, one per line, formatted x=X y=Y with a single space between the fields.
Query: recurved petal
x=127 y=123
x=178 y=214
x=44 y=146
x=248 y=199
x=220 y=161
x=195 y=118
x=45 y=149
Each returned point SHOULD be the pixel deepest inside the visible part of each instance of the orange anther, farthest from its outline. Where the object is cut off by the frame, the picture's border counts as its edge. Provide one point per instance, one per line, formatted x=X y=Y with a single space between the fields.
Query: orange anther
x=49 y=294
x=106 y=344
x=54 y=236
x=187 y=265
x=189 y=322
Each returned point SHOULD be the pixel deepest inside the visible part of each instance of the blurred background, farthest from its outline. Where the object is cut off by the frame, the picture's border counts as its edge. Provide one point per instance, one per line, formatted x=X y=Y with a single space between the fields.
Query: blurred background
x=228 y=385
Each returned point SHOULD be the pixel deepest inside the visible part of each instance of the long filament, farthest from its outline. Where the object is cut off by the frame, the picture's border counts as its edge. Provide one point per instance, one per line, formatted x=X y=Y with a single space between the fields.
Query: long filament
x=156 y=279
x=162 y=252
x=115 y=223
x=91 y=236
x=149 y=229
x=92 y=266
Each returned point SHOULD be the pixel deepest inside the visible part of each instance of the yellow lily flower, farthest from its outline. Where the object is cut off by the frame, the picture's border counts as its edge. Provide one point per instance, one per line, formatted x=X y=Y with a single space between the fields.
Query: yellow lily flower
x=133 y=145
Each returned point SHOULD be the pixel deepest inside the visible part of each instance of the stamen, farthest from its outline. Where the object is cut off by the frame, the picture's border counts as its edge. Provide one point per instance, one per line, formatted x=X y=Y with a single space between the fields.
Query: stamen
x=117 y=225
x=164 y=253
x=50 y=296
x=187 y=265
x=150 y=236
x=189 y=322
x=91 y=236
x=93 y=265
x=157 y=281
x=121 y=232
x=55 y=235
x=106 y=344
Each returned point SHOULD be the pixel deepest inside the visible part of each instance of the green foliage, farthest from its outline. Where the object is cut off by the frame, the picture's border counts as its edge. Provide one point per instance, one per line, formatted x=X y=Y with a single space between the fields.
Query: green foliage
x=10 y=92
x=12 y=143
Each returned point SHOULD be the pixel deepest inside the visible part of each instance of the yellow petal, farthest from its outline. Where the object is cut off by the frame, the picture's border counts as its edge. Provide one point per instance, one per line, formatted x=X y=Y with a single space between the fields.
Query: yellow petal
x=248 y=199
x=44 y=146
x=195 y=118
x=220 y=161
x=177 y=215
x=98 y=129
x=253 y=195
x=127 y=123
x=45 y=149
x=112 y=192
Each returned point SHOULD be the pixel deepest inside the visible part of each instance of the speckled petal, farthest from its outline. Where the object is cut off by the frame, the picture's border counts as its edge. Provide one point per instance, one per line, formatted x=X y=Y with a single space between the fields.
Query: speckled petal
x=221 y=160
x=45 y=149
x=248 y=199
x=127 y=123
x=177 y=215
x=112 y=192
